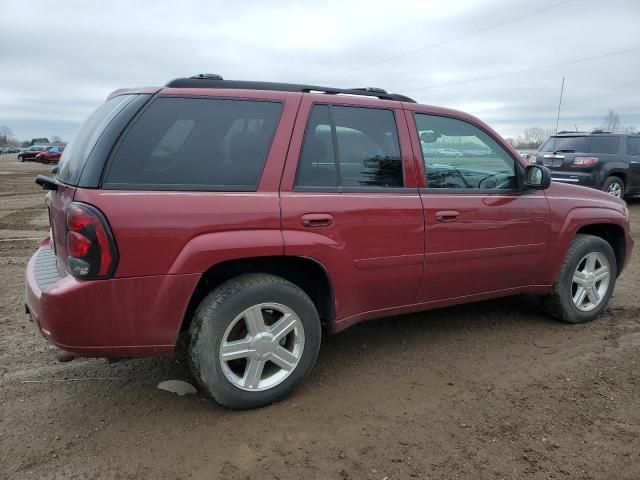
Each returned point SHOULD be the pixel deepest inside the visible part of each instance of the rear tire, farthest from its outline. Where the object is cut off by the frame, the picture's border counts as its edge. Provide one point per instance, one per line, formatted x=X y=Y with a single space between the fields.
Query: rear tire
x=586 y=281
x=268 y=330
x=614 y=186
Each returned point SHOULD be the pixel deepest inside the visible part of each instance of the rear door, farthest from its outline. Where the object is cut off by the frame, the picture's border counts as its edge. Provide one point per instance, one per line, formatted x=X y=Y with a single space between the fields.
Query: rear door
x=633 y=153
x=483 y=233
x=350 y=201
x=609 y=152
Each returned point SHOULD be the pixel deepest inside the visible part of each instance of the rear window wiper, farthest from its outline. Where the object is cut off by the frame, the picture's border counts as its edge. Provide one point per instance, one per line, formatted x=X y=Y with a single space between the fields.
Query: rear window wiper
x=47 y=183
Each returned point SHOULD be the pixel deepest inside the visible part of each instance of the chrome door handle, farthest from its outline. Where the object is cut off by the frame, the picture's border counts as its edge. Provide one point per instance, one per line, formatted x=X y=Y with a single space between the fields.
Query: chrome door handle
x=314 y=220
x=447 y=216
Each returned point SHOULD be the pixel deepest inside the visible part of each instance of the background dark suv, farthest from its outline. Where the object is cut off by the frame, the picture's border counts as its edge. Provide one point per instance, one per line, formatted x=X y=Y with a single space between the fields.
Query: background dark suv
x=604 y=160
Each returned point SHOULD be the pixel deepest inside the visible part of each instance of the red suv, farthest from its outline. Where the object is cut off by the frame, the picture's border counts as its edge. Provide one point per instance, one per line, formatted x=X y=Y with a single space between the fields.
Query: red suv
x=31 y=152
x=50 y=155
x=251 y=217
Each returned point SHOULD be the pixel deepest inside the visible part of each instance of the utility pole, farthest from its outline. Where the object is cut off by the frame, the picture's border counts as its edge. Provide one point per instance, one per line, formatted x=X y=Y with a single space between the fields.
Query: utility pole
x=559 y=105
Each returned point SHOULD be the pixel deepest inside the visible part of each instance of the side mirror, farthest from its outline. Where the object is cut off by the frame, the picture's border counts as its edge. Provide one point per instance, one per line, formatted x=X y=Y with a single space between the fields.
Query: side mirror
x=537 y=177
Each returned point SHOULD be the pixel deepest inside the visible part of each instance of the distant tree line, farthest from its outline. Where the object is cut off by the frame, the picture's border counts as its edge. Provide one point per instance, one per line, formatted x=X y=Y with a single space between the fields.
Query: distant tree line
x=8 y=139
x=534 y=137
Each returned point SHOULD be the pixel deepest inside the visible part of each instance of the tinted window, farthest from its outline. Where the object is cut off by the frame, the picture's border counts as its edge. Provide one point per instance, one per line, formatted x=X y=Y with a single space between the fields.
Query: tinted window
x=317 y=166
x=365 y=141
x=633 y=146
x=605 y=144
x=196 y=143
x=566 y=144
x=78 y=149
x=458 y=154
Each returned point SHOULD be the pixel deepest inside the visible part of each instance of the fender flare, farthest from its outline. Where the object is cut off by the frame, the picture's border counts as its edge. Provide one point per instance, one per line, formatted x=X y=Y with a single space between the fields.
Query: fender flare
x=576 y=218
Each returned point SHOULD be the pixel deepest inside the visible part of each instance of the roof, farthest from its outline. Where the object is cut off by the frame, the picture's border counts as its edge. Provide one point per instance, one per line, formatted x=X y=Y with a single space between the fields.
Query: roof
x=205 y=80
x=594 y=132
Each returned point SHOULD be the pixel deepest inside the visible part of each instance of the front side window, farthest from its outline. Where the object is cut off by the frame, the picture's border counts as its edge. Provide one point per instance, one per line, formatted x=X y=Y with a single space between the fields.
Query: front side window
x=196 y=143
x=460 y=155
x=350 y=147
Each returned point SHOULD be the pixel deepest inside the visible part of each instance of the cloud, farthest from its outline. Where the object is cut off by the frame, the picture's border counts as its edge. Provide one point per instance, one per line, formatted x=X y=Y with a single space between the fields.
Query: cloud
x=60 y=64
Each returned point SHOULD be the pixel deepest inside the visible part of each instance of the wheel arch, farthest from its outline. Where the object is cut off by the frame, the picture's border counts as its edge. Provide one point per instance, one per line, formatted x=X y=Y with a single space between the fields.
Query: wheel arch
x=307 y=273
x=619 y=173
x=611 y=233
x=606 y=223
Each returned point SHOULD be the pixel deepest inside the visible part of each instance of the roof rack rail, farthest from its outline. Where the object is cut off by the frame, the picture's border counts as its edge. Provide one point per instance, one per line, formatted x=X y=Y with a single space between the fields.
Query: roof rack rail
x=598 y=130
x=207 y=76
x=210 y=80
x=370 y=89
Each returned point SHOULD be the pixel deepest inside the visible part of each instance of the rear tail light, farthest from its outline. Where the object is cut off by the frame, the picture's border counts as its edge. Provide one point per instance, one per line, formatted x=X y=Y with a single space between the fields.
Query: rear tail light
x=585 y=161
x=91 y=250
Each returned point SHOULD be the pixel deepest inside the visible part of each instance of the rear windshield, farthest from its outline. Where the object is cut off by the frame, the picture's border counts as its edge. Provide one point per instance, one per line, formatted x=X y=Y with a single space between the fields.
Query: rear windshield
x=79 y=148
x=566 y=144
x=582 y=144
x=195 y=144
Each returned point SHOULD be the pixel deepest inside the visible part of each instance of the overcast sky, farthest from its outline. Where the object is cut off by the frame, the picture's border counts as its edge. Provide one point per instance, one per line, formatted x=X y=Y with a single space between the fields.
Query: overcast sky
x=60 y=60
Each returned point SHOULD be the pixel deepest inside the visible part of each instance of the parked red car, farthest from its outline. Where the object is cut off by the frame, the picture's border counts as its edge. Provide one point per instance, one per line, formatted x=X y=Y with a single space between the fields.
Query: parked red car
x=31 y=152
x=50 y=155
x=250 y=217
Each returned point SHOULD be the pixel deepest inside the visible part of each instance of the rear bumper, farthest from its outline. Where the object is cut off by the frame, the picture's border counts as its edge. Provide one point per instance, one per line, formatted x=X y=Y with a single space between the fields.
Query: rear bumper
x=126 y=317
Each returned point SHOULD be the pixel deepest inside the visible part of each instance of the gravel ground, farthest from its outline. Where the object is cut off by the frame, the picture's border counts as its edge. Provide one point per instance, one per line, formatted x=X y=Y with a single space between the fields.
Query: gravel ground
x=489 y=390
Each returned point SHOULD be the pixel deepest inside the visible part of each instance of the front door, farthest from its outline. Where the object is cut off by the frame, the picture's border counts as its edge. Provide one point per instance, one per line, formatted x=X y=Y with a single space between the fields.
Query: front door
x=483 y=233
x=350 y=201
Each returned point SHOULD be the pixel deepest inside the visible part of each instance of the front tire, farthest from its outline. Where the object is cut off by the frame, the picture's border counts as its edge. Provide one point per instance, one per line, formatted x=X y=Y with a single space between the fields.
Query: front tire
x=253 y=340
x=614 y=186
x=586 y=281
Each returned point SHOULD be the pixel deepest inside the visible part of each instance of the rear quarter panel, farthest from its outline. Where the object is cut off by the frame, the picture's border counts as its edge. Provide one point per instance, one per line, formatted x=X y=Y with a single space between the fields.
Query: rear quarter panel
x=187 y=232
x=184 y=232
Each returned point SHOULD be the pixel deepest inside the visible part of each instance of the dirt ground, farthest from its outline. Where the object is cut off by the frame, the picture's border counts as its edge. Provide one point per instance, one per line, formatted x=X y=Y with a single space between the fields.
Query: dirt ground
x=489 y=390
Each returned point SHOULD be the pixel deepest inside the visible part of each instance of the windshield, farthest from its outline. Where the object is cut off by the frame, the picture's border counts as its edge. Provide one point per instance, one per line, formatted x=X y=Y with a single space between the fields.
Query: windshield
x=78 y=150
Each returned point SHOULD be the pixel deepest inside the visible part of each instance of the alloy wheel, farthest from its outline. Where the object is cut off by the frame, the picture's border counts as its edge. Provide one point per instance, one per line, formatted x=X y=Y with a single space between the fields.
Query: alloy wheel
x=615 y=189
x=262 y=347
x=590 y=281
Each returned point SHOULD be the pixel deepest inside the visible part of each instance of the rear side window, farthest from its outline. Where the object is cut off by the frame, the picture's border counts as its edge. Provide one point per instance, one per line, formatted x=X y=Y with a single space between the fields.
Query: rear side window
x=610 y=145
x=350 y=147
x=633 y=146
x=196 y=144
x=317 y=167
